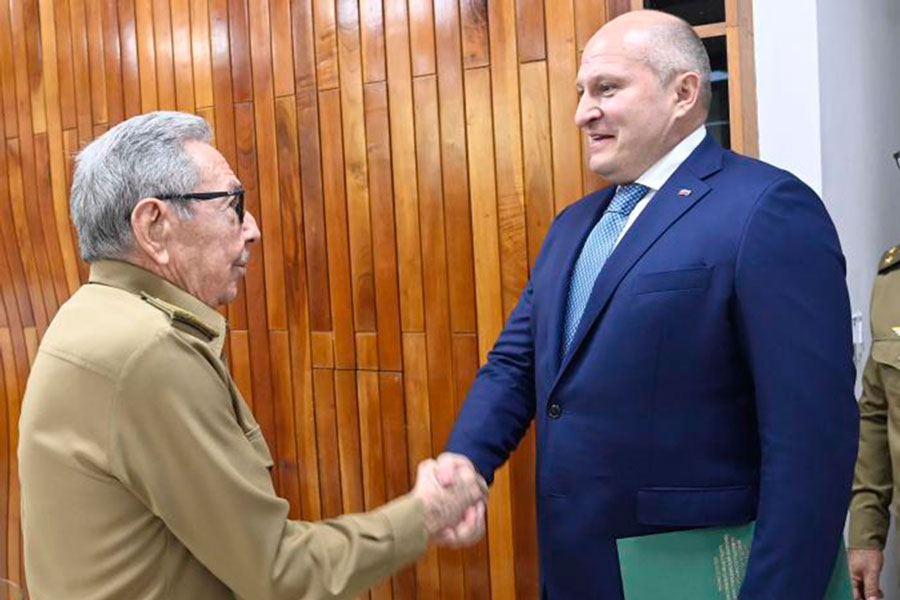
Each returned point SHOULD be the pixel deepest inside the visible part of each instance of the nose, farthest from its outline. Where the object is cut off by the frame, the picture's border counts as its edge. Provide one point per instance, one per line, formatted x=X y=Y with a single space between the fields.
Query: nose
x=250 y=228
x=587 y=111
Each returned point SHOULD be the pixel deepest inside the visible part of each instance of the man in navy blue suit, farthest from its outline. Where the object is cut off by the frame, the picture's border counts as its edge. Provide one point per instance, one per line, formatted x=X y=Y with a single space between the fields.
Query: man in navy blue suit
x=683 y=343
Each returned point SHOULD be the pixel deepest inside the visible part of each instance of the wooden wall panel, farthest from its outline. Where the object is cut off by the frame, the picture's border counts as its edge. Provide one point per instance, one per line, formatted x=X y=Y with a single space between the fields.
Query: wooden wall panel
x=404 y=159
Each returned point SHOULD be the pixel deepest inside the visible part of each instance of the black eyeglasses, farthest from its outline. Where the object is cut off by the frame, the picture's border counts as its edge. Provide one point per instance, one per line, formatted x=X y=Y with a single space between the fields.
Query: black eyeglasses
x=201 y=196
x=897 y=158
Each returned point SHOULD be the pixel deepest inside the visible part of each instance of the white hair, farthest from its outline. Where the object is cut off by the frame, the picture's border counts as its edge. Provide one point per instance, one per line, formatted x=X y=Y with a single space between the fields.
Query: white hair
x=138 y=158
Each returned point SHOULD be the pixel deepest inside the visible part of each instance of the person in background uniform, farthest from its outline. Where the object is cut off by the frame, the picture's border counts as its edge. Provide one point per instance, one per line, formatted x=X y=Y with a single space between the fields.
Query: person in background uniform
x=878 y=463
x=683 y=344
x=143 y=473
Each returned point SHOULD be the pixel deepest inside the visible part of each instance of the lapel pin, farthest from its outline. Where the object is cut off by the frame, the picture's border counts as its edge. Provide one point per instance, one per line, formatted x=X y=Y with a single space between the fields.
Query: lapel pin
x=684 y=192
x=896 y=330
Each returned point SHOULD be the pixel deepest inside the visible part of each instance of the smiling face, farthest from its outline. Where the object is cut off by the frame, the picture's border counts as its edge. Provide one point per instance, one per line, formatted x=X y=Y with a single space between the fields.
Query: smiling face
x=628 y=114
x=209 y=251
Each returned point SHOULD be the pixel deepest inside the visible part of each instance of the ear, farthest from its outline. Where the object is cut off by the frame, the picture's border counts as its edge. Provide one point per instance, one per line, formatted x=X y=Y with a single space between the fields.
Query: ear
x=686 y=87
x=151 y=224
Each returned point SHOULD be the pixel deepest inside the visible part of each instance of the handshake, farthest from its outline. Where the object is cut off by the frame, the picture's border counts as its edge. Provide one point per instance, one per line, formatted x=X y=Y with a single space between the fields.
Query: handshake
x=454 y=498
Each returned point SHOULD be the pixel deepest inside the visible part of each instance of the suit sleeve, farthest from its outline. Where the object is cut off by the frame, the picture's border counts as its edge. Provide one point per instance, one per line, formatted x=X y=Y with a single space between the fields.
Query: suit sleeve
x=500 y=404
x=793 y=315
x=872 y=481
x=177 y=444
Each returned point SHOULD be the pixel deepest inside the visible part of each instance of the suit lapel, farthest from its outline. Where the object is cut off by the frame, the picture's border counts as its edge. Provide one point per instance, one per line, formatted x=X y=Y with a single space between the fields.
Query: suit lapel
x=664 y=209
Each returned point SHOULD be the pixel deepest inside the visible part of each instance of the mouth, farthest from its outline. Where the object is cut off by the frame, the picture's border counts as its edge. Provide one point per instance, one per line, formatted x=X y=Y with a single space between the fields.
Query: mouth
x=597 y=140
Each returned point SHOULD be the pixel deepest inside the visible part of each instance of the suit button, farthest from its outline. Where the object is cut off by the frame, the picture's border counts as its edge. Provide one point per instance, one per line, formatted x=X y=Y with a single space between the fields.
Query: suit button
x=554 y=411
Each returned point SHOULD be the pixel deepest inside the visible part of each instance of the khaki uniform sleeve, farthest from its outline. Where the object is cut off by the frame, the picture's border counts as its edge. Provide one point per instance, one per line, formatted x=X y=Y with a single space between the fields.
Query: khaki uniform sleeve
x=176 y=443
x=873 y=481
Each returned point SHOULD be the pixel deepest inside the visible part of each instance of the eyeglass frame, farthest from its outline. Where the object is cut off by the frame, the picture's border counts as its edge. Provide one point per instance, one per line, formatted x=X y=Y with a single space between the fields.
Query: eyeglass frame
x=897 y=158
x=203 y=196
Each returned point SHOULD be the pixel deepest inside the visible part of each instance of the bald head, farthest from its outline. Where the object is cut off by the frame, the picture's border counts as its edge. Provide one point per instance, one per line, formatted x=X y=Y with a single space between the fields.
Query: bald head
x=665 y=42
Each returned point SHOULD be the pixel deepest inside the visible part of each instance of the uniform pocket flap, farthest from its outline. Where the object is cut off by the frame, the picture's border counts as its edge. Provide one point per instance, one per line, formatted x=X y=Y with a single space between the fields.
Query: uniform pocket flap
x=254 y=436
x=697 y=507
x=887 y=353
x=667 y=281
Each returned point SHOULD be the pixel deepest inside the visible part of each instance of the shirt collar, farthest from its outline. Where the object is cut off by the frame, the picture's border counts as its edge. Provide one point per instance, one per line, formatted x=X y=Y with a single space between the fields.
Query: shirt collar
x=656 y=176
x=137 y=280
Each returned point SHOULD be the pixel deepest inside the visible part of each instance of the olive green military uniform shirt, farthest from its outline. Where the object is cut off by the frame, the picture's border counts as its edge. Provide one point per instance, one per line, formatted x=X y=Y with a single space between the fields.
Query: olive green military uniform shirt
x=145 y=477
x=878 y=463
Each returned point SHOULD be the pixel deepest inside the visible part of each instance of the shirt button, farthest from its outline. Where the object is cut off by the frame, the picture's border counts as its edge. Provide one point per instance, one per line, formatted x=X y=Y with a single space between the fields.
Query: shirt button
x=554 y=411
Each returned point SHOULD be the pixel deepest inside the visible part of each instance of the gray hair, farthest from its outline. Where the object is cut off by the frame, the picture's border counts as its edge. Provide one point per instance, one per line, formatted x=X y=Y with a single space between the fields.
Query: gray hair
x=139 y=158
x=674 y=47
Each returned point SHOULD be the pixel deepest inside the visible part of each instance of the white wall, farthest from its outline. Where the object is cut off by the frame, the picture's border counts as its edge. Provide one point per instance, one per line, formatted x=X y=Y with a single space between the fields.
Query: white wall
x=828 y=86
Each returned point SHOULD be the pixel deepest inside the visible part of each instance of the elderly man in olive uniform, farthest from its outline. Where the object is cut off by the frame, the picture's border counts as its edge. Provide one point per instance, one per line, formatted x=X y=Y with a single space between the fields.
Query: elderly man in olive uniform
x=877 y=476
x=144 y=475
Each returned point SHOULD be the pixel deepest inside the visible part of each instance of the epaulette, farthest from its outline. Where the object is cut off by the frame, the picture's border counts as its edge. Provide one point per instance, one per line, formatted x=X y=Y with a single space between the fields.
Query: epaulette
x=890 y=258
x=180 y=315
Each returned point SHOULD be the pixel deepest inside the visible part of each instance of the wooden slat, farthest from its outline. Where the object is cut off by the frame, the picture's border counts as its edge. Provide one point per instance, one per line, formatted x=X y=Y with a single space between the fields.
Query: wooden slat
x=367 y=350
x=508 y=136
x=322 y=343
x=311 y=166
x=269 y=215
x=70 y=145
x=387 y=298
x=403 y=161
x=418 y=436
x=13 y=539
x=239 y=43
x=326 y=44
x=23 y=234
x=453 y=166
x=356 y=176
x=32 y=31
x=112 y=63
x=181 y=47
x=327 y=442
x=94 y=17
x=710 y=30
x=372 y=40
x=82 y=67
x=421 y=35
x=200 y=51
x=7 y=395
x=165 y=67
x=289 y=488
x=282 y=48
x=62 y=27
x=47 y=219
x=7 y=73
x=347 y=411
x=614 y=8
x=128 y=43
x=146 y=54
x=530 y=21
x=590 y=15
x=474 y=15
x=336 y=227
x=373 y=461
x=397 y=479
x=741 y=78
x=538 y=160
x=562 y=69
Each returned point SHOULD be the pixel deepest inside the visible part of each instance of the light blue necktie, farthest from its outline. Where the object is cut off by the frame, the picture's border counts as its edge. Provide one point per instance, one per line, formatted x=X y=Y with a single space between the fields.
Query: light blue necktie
x=597 y=248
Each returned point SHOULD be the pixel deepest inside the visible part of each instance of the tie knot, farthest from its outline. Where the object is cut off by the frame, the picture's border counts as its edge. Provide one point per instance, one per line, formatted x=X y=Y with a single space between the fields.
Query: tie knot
x=627 y=196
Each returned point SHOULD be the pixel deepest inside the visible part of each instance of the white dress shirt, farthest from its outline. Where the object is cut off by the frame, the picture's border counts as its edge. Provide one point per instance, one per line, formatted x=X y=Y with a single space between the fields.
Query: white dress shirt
x=657 y=175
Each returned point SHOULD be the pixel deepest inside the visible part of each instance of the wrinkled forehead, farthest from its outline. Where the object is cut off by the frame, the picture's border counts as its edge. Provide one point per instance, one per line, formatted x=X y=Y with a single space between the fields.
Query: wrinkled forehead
x=214 y=169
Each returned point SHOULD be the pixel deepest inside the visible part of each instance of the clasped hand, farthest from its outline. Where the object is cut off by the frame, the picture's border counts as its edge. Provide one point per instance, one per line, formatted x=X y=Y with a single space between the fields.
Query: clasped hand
x=454 y=497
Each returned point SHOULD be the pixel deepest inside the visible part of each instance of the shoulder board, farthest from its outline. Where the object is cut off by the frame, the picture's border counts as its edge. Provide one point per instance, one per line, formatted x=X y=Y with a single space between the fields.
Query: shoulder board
x=180 y=315
x=890 y=258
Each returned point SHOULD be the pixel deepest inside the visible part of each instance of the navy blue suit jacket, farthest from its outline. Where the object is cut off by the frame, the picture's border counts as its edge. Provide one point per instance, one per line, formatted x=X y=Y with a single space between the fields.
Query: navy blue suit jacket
x=710 y=382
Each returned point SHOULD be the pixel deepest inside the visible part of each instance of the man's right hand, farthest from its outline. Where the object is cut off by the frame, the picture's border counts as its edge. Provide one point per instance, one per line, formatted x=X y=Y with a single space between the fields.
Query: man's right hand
x=449 y=505
x=865 y=569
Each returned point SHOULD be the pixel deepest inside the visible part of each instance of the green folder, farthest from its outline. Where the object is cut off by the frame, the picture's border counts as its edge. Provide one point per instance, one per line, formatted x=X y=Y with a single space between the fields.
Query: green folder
x=700 y=564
